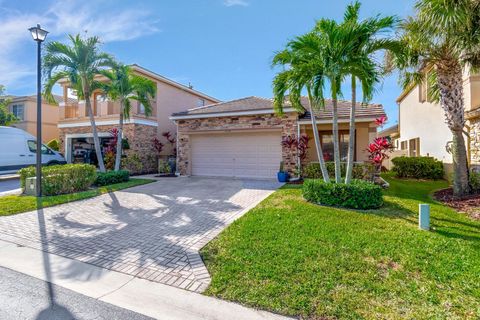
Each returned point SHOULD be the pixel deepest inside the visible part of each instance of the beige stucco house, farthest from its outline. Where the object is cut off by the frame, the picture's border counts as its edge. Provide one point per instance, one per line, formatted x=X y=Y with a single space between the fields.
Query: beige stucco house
x=25 y=109
x=422 y=130
x=76 y=134
x=243 y=137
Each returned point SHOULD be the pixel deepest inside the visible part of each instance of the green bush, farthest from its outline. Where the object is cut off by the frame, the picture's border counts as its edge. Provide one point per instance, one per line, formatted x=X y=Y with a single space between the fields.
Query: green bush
x=54 y=144
x=112 y=177
x=474 y=180
x=418 y=168
x=132 y=163
x=61 y=179
x=359 y=194
x=362 y=171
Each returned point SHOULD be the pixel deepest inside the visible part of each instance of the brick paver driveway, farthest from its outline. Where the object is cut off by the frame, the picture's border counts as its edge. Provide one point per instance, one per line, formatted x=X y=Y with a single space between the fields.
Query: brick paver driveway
x=152 y=231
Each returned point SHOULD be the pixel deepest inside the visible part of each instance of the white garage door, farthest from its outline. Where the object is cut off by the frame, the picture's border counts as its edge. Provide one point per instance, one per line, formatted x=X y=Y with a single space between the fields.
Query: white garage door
x=245 y=155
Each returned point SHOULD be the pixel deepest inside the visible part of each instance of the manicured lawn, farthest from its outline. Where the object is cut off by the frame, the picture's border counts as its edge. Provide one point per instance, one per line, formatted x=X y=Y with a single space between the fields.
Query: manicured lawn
x=296 y=258
x=20 y=203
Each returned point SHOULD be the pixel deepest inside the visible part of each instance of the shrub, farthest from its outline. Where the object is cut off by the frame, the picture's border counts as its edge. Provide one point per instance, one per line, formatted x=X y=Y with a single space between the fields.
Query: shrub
x=54 y=144
x=61 y=179
x=418 y=168
x=359 y=194
x=132 y=163
x=362 y=171
x=112 y=177
x=163 y=167
x=474 y=180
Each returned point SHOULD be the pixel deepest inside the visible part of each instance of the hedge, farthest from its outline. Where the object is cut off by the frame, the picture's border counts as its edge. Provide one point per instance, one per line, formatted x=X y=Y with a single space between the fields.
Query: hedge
x=359 y=194
x=418 y=168
x=112 y=177
x=61 y=179
x=362 y=171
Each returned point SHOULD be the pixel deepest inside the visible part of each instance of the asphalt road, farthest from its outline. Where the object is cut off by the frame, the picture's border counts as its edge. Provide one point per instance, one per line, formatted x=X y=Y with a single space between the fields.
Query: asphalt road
x=25 y=298
x=9 y=185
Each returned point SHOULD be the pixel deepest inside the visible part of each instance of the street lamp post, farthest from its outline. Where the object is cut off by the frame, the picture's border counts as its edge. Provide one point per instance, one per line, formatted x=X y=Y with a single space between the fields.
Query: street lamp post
x=39 y=35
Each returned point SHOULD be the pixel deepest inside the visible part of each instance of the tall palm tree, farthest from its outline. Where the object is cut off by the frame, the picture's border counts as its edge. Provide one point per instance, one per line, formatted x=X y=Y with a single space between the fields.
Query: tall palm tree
x=79 y=62
x=443 y=37
x=368 y=43
x=302 y=71
x=336 y=43
x=124 y=86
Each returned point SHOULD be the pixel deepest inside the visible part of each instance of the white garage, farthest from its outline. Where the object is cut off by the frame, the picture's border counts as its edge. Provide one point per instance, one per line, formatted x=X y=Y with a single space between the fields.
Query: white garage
x=236 y=154
x=240 y=138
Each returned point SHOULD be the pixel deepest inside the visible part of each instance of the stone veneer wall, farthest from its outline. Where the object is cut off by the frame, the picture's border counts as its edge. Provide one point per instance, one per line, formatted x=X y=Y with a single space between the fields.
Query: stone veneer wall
x=139 y=137
x=286 y=123
x=475 y=140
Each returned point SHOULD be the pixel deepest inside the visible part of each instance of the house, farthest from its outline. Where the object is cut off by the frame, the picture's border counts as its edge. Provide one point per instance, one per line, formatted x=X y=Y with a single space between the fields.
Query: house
x=25 y=109
x=76 y=134
x=243 y=137
x=422 y=130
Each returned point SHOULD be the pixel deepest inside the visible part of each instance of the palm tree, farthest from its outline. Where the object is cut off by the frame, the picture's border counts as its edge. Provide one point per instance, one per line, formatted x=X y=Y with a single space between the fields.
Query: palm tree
x=78 y=62
x=302 y=71
x=367 y=44
x=125 y=87
x=443 y=37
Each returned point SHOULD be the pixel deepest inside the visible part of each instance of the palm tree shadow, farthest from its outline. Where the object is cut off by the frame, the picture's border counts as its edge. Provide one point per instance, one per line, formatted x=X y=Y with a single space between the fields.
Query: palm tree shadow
x=128 y=235
x=54 y=310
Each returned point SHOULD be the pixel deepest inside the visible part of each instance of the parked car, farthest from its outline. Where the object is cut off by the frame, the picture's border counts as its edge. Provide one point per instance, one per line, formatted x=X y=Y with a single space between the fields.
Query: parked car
x=18 y=148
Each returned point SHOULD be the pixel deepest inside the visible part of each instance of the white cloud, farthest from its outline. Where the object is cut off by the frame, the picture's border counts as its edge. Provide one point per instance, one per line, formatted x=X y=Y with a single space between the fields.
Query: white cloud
x=62 y=18
x=231 y=3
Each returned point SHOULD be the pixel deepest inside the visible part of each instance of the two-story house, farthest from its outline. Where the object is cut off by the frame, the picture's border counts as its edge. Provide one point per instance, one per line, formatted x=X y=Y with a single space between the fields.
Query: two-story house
x=25 y=109
x=76 y=133
x=422 y=130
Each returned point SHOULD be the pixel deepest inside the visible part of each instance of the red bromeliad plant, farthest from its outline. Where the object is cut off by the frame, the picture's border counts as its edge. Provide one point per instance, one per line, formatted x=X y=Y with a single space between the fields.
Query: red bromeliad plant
x=300 y=145
x=110 y=150
x=379 y=148
x=172 y=140
x=157 y=145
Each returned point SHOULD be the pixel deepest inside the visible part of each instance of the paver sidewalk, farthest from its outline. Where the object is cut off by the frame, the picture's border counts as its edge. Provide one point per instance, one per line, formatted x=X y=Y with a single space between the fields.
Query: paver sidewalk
x=152 y=231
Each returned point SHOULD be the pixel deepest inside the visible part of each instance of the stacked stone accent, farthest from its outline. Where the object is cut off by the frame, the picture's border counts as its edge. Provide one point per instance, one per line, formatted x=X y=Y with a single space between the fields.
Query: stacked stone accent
x=139 y=137
x=286 y=123
x=475 y=140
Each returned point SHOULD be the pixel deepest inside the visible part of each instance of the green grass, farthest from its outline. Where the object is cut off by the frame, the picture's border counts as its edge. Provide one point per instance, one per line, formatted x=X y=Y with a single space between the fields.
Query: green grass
x=21 y=203
x=300 y=259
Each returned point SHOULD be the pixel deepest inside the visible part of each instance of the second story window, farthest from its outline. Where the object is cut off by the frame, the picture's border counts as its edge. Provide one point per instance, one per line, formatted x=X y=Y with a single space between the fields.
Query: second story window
x=200 y=103
x=141 y=108
x=19 y=111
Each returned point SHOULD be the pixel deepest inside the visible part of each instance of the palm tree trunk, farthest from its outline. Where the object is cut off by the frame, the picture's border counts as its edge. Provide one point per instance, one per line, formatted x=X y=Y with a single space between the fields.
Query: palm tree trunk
x=96 y=141
x=118 y=155
x=318 y=146
x=351 y=139
x=336 y=149
x=450 y=83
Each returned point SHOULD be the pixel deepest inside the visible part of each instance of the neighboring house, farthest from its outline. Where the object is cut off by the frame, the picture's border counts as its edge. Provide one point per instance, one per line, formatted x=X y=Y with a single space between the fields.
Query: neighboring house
x=394 y=135
x=76 y=133
x=25 y=109
x=422 y=129
x=243 y=138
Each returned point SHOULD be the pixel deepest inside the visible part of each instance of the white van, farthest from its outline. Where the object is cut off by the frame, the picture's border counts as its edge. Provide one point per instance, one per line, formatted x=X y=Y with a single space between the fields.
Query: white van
x=17 y=150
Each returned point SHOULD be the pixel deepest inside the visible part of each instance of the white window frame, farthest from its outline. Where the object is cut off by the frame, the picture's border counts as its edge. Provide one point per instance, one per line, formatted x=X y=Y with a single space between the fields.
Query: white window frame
x=15 y=108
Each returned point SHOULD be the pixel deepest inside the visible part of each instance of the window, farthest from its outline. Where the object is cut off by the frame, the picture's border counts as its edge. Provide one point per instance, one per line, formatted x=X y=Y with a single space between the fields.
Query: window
x=200 y=103
x=32 y=145
x=19 y=111
x=403 y=145
x=141 y=108
x=414 y=147
x=326 y=139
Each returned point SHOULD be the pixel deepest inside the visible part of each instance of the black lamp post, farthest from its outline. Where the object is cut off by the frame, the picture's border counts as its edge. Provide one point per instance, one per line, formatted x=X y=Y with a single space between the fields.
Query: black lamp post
x=39 y=35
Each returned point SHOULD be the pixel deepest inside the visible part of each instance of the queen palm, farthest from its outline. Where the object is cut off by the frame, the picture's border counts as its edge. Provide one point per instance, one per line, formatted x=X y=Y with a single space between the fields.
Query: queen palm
x=365 y=70
x=443 y=37
x=124 y=86
x=79 y=62
x=302 y=71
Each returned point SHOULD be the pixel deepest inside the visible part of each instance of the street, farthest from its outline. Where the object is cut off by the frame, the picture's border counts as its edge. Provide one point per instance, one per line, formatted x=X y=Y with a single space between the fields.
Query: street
x=9 y=185
x=26 y=298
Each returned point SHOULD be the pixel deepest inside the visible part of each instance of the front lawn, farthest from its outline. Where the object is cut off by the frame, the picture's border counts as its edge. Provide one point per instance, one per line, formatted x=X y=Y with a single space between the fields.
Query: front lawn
x=296 y=258
x=21 y=203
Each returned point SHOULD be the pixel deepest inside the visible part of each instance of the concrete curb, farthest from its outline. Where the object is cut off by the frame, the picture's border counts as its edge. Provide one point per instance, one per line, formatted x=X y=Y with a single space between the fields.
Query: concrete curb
x=149 y=298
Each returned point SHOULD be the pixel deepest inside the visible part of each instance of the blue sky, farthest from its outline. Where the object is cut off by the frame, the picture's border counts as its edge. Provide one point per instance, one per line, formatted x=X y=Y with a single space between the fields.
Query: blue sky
x=221 y=47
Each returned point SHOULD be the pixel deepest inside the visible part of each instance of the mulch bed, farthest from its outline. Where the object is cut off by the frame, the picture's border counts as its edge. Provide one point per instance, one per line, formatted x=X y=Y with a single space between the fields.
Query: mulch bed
x=469 y=204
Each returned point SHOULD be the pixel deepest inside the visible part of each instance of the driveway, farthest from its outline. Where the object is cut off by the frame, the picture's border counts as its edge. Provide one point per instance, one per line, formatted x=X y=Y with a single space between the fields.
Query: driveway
x=152 y=231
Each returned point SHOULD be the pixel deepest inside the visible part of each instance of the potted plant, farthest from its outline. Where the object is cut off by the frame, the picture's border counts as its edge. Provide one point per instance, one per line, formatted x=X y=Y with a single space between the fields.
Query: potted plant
x=282 y=175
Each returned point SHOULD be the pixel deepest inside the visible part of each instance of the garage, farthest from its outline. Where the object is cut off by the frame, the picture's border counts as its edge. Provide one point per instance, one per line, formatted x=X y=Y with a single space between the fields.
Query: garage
x=241 y=154
x=239 y=138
